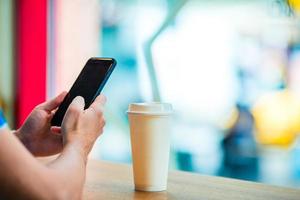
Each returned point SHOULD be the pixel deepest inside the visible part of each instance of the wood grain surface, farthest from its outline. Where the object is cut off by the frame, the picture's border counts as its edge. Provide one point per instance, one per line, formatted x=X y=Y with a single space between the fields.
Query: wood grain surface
x=111 y=181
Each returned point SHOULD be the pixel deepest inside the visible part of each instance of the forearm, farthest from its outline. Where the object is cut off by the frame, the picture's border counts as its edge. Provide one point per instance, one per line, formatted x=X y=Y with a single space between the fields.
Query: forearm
x=21 y=138
x=71 y=163
x=22 y=176
x=72 y=153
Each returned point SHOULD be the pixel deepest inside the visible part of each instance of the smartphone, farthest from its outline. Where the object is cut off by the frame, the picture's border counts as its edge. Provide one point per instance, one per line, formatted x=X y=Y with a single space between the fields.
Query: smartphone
x=88 y=84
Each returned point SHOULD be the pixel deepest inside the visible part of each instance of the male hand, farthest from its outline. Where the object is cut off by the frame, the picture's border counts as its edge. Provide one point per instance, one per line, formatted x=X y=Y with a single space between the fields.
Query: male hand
x=37 y=134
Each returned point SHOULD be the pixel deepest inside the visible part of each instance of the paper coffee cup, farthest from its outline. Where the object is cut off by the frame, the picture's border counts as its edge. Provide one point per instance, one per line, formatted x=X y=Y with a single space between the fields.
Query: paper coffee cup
x=150 y=125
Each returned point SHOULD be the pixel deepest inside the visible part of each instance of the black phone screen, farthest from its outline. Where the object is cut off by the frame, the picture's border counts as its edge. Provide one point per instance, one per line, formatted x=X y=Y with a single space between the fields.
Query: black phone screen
x=88 y=84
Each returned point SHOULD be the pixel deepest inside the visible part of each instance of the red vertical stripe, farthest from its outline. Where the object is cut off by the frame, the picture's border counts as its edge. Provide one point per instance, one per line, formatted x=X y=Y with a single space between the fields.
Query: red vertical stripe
x=31 y=55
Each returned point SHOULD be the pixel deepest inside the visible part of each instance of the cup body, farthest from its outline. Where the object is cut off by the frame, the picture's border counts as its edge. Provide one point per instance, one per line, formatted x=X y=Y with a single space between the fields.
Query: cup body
x=150 y=145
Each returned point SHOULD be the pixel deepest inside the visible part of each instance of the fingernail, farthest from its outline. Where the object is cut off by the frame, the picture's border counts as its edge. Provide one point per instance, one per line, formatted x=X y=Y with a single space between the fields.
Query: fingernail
x=78 y=100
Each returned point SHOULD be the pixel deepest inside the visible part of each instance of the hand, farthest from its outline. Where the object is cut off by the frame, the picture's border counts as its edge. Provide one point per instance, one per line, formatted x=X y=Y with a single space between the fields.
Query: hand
x=81 y=127
x=37 y=134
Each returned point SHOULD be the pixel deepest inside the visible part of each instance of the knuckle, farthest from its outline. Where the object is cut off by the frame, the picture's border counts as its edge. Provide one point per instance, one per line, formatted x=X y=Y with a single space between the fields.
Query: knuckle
x=100 y=109
x=99 y=113
x=101 y=131
x=103 y=121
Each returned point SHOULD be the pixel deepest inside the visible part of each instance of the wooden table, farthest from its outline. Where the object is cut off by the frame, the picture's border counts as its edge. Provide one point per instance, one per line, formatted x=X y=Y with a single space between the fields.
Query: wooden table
x=111 y=181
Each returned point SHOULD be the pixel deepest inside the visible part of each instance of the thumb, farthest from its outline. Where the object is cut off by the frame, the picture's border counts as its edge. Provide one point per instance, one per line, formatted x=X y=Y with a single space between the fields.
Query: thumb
x=53 y=103
x=74 y=109
x=77 y=105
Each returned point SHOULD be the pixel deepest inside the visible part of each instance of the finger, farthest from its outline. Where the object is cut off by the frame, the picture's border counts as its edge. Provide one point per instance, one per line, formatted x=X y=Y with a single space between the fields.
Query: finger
x=75 y=108
x=55 y=130
x=99 y=103
x=101 y=99
x=53 y=103
x=77 y=105
x=52 y=113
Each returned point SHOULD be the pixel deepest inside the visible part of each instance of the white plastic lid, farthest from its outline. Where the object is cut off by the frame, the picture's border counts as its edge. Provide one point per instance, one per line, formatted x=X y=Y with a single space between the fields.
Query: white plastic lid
x=152 y=108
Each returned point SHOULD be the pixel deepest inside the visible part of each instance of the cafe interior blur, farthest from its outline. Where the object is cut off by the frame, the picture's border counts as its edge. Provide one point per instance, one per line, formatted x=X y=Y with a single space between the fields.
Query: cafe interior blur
x=230 y=68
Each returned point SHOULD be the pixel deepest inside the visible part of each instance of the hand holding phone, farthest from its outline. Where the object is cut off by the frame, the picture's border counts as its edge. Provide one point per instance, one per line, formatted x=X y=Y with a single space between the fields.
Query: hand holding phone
x=88 y=84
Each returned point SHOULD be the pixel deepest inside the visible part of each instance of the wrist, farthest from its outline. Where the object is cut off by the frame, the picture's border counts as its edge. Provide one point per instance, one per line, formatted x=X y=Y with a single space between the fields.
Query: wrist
x=78 y=147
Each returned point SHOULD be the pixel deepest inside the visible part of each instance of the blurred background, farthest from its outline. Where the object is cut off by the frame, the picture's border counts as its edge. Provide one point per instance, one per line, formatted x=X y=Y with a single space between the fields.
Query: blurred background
x=231 y=69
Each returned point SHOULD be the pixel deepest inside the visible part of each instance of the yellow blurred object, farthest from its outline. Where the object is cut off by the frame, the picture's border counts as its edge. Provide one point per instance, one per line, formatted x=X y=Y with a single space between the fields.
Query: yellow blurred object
x=277 y=118
x=295 y=5
x=231 y=120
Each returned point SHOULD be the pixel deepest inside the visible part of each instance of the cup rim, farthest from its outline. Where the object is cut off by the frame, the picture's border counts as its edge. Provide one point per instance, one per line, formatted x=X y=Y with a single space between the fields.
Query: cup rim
x=150 y=108
x=149 y=113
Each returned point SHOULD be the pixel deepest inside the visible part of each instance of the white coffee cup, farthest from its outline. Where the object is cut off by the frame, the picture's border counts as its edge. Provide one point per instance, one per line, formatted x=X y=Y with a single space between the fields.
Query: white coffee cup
x=150 y=125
